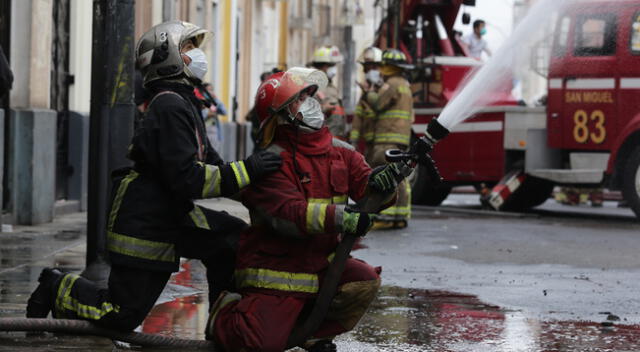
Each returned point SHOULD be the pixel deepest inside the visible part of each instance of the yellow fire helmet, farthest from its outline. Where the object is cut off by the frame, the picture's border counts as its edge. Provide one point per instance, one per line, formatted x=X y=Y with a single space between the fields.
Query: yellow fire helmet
x=327 y=55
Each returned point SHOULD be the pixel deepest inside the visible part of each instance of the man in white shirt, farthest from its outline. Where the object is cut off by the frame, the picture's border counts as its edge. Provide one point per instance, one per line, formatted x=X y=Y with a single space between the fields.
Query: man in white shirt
x=474 y=41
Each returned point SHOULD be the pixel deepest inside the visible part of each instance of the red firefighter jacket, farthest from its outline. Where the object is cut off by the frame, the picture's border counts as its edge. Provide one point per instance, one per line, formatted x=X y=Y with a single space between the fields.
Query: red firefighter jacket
x=296 y=213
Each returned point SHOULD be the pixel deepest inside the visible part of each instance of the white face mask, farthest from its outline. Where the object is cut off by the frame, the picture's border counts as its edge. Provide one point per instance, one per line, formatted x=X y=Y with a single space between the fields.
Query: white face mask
x=312 y=116
x=198 y=64
x=373 y=76
x=332 y=71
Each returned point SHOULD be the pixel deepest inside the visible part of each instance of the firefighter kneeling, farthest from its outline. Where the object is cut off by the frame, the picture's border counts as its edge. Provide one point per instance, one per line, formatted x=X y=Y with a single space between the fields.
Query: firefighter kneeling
x=297 y=216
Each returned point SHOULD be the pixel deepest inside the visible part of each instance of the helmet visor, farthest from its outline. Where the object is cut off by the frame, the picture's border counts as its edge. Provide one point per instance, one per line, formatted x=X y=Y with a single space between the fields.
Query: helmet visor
x=295 y=81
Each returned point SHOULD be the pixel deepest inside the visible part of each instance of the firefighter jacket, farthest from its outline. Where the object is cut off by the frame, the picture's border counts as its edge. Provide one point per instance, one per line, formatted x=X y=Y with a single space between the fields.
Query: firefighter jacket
x=173 y=164
x=334 y=116
x=363 y=122
x=296 y=213
x=394 y=108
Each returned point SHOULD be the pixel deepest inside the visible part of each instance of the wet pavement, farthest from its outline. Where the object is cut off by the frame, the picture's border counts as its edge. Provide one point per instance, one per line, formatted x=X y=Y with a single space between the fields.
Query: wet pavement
x=451 y=282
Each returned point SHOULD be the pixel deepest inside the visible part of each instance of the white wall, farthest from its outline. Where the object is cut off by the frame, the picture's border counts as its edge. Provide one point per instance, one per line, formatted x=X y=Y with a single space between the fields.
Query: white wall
x=80 y=28
x=20 y=52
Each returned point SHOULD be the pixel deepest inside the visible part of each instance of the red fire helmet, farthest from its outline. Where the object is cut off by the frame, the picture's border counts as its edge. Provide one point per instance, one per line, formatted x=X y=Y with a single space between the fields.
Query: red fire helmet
x=281 y=88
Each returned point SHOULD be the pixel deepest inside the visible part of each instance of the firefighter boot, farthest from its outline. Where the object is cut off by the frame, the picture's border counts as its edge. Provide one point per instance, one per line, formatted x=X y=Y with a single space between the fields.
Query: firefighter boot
x=323 y=346
x=382 y=225
x=224 y=298
x=41 y=300
x=400 y=224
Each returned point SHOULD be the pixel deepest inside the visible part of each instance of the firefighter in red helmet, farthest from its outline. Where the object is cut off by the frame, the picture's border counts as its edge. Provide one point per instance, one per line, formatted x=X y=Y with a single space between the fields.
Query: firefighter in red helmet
x=297 y=214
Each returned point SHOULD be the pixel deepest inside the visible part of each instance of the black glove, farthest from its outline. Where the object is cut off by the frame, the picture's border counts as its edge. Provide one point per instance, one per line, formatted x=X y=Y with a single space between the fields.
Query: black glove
x=356 y=222
x=262 y=163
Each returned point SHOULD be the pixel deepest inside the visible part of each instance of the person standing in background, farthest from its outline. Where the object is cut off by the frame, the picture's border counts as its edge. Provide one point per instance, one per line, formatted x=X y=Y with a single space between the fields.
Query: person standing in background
x=325 y=59
x=393 y=105
x=474 y=41
x=364 y=118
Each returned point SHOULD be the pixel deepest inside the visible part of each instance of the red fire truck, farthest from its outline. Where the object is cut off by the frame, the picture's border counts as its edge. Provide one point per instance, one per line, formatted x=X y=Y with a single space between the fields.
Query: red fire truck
x=588 y=135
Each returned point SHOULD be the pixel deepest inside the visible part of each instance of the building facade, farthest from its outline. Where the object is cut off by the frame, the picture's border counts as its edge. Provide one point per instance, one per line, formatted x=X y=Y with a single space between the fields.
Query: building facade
x=44 y=121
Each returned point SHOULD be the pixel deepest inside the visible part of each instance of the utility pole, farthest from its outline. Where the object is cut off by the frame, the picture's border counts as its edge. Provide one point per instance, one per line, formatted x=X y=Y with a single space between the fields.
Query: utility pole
x=347 y=74
x=111 y=119
x=396 y=24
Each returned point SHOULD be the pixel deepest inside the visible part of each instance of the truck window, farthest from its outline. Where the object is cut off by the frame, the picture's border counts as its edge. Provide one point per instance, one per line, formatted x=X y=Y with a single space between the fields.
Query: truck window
x=596 y=35
x=635 y=34
x=562 y=37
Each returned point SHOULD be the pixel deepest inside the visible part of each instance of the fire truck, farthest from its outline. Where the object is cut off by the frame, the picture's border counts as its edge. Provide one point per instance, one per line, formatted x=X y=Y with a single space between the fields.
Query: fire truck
x=587 y=135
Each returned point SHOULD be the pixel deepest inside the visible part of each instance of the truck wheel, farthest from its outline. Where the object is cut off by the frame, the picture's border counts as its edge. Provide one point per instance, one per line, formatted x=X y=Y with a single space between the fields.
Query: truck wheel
x=631 y=181
x=533 y=192
x=422 y=190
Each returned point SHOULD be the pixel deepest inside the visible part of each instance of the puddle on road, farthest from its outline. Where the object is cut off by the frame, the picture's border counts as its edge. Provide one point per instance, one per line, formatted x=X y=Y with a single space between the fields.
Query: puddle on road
x=400 y=319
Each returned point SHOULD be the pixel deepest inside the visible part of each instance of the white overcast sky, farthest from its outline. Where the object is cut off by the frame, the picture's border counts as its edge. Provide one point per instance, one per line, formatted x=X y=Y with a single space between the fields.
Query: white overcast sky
x=499 y=17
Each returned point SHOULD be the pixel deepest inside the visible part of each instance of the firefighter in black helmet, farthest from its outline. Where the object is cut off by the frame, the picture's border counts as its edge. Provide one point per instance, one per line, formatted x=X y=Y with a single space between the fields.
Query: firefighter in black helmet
x=153 y=220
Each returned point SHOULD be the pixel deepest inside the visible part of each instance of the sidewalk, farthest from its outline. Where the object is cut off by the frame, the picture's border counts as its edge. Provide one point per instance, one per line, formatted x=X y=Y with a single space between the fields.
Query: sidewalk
x=61 y=243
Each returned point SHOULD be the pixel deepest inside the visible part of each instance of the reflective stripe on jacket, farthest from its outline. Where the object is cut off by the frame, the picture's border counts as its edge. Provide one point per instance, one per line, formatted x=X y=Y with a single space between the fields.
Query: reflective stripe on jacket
x=394 y=107
x=296 y=213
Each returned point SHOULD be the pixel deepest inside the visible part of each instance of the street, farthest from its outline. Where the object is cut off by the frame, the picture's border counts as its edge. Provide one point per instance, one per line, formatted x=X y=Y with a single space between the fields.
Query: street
x=454 y=280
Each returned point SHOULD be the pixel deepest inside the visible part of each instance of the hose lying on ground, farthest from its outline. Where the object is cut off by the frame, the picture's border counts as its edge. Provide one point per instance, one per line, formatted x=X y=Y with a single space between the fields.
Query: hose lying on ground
x=82 y=327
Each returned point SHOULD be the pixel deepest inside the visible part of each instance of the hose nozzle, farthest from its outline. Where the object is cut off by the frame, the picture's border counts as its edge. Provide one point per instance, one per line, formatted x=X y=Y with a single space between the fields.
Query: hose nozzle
x=435 y=132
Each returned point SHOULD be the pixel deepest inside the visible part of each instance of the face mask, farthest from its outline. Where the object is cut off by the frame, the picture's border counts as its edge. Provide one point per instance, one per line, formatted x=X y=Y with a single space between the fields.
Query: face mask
x=332 y=71
x=312 y=116
x=198 y=65
x=483 y=31
x=373 y=76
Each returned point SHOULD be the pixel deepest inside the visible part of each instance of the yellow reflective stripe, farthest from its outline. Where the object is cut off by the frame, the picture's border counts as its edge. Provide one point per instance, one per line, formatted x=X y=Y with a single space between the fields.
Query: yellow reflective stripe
x=355 y=134
x=199 y=219
x=331 y=256
x=242 y=176
x=392 y=138
x=395 y=210
x=212 y=179
x=370 y=114
x=319 y=200
x=396 y=114
x=404 y=90
x=139 y=248
x=117 y=201
x=89 y=312
x=65 y=301
x=333 y=200
x=340 y=199
x=368 y=136
x=277 y=280
x=316 y=215
x=63 y=290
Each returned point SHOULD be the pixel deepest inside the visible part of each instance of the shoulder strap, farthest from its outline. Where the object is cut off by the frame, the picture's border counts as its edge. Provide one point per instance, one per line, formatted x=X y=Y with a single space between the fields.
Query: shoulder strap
x=202 y=152
x=163 y=93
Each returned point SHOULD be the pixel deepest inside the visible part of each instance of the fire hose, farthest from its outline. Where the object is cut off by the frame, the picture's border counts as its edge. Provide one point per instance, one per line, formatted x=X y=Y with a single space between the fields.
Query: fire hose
x=83 y=327
x=418 y=154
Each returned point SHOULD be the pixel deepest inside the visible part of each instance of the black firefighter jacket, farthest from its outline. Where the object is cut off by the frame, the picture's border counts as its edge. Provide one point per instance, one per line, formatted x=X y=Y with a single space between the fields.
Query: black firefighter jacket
x=173 y=164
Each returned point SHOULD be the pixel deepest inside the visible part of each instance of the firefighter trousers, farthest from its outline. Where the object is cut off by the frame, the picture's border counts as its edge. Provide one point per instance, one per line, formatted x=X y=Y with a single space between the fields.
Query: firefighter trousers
x=401 y=210
x=263 y=322
x=132 y=292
